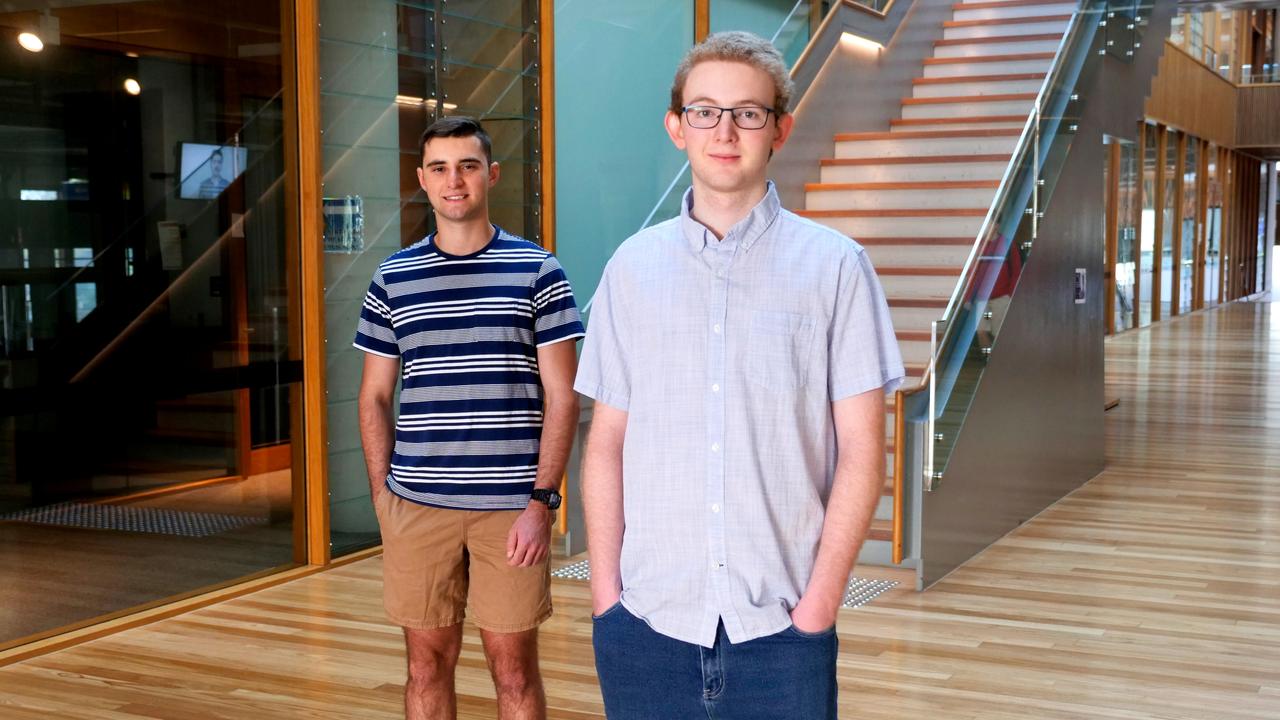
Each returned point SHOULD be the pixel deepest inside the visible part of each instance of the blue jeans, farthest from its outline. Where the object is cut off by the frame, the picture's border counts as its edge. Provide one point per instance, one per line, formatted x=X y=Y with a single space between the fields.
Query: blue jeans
x=648 y=676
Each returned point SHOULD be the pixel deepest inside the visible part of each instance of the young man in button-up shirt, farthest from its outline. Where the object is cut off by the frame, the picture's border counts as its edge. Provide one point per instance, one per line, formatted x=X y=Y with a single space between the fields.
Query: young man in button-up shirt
x=738 y=356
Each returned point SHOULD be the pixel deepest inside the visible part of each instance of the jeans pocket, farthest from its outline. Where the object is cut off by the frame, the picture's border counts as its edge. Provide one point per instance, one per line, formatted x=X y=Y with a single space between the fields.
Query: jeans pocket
x=779 y=349
x=608 y=611
x=821 y=634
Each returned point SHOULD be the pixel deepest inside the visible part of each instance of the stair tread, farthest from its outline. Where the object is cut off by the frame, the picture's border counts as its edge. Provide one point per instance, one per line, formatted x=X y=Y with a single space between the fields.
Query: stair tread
x=1027 y=20
x=952 y=120
x=998 y=39
x=916 y=159
x=914 y=335
x=968 y=99
x=1013 y=57
x=904 y=240
x=916 y=302
x=930 y=270
x=898 y=212
x=997 y=4
x=881 y=530
x=921 y=185
x=1006 y=77
x=928 y=134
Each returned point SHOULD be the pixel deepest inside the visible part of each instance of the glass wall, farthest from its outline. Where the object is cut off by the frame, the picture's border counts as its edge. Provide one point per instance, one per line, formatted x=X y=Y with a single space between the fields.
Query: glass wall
x=1169 y=181
x=147 y=301
x=1240 y=45
x=1212 y=227
x=1147 y=231
x=1128 y=216
x=388 y=69
x=606 y=189
x=1187 y=223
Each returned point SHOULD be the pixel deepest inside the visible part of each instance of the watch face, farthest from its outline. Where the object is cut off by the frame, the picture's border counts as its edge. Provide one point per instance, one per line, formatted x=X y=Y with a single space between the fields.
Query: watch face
x=550 y=497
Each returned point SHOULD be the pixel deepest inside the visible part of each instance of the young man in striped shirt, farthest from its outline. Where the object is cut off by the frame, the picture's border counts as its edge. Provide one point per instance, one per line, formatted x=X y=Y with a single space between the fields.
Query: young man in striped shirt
x=479 y=325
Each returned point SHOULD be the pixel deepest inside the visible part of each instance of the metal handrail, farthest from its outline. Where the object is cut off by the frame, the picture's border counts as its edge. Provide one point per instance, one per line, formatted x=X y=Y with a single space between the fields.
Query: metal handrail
x=1028 y=142
x=1025 y=144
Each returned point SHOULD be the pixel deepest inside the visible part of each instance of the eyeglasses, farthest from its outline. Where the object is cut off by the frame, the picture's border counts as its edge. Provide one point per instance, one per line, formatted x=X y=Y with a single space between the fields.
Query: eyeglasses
x=705 y=117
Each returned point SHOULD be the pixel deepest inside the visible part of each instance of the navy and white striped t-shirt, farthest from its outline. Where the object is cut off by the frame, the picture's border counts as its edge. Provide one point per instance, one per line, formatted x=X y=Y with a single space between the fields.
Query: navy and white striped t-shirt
x=467 y=329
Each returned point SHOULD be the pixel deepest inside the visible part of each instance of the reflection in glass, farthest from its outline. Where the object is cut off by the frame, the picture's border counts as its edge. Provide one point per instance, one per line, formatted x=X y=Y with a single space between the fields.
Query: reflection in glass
x=1168 y=269
x=1187 y=224
x=1146 y=262
x=1212 y=227
x=1126 y=234
x=145 y=365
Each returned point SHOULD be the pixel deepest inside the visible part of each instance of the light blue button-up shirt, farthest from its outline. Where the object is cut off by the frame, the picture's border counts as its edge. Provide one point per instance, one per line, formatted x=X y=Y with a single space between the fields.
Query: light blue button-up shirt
x=726 y=356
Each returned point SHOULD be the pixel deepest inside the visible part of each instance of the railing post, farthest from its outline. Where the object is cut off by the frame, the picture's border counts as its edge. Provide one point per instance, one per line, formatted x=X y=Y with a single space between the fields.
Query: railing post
x=931 y=436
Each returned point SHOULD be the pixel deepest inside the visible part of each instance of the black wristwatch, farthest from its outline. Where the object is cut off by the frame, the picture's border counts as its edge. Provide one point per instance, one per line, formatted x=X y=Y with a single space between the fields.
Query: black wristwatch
x=550 y=498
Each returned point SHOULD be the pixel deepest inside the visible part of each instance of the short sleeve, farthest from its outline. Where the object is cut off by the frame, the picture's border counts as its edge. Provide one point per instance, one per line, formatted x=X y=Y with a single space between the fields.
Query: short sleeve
x=374 y=332
x=603 y=372
x=863 y=348
x=555 y=312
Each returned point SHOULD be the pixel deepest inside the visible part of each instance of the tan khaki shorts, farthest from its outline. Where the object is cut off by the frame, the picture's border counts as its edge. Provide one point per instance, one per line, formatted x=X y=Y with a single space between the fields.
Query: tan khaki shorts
x=437 y=563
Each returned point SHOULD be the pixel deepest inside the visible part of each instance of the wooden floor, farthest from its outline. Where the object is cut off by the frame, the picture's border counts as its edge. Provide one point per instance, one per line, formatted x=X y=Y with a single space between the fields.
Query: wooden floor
x=1152 y=592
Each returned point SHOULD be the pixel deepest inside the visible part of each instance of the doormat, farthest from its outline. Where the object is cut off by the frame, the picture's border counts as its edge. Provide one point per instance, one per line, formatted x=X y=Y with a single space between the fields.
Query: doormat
x=860 y=591
x=159 y=521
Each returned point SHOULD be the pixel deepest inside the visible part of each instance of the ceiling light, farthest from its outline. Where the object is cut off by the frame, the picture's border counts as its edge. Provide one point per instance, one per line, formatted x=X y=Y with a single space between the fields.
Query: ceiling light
x=408 y=100
x=132 y=86
x=30 y=41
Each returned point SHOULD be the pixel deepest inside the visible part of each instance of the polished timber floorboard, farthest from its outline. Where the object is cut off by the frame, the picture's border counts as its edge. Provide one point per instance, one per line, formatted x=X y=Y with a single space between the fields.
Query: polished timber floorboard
x=1152 y=592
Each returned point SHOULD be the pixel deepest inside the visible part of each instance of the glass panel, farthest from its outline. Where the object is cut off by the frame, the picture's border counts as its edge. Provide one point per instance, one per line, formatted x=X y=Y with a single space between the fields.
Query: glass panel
x=1213 y=228
x=1168 y=270
x=389 y=69
x=596 y=207
x=146 y=306
x=1215 y=38
x=974 y=318
x=1259 y=256
x=785 y=22
x=1126 y=234
x=1187 y=224
x=1146 y=282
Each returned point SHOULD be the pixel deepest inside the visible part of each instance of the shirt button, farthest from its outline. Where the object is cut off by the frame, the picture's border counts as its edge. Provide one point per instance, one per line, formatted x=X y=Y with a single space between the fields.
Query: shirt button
x=715 y=388
x=716 y=329
x=715 y=447
x=715 y=508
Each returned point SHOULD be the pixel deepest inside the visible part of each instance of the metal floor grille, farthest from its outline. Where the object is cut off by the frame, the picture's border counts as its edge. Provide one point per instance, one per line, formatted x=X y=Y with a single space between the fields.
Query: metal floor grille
x=860 y=591
x=133 y=519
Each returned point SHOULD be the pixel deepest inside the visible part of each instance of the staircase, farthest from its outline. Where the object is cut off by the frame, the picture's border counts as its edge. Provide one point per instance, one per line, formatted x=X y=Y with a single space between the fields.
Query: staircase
x=916 y=195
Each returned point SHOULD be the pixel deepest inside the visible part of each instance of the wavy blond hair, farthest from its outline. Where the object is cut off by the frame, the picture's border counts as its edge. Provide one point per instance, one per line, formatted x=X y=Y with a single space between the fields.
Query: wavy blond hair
x=737 y=46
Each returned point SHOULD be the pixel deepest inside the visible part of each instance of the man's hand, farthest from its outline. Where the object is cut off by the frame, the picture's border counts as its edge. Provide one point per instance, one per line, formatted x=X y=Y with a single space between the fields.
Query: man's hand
x=809 y=617
x=604 y=599
x=530 y=538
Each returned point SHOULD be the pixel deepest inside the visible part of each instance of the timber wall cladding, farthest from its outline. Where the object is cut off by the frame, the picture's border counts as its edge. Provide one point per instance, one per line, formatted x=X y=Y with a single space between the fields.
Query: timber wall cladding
x=1191 y=97
x=1258 y=116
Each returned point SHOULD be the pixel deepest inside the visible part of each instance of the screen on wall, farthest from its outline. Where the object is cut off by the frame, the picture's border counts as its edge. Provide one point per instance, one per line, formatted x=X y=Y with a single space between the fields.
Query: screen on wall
x=207 y=170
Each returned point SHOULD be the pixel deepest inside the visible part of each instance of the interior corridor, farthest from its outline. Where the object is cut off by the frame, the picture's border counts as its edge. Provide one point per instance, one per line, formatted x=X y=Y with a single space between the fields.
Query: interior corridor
x=1151 y=592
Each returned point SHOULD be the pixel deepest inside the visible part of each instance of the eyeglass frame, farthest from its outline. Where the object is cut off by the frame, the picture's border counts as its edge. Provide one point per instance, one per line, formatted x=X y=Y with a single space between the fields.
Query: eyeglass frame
x=684 y=112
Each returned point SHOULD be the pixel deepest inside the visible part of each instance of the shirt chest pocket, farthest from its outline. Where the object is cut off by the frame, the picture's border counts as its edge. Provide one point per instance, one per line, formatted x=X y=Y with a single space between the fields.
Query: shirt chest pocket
x=779 y=346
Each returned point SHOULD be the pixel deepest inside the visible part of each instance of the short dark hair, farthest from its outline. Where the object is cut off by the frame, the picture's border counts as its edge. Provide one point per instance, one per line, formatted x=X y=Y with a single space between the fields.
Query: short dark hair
x=455 y=126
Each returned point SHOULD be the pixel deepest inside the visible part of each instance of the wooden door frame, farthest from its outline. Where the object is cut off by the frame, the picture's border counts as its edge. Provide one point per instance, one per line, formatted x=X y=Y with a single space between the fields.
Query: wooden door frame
x=1157 y=243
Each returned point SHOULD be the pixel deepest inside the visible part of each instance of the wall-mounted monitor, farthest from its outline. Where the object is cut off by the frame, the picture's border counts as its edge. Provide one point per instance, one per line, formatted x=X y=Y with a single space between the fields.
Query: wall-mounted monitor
x=207 y=170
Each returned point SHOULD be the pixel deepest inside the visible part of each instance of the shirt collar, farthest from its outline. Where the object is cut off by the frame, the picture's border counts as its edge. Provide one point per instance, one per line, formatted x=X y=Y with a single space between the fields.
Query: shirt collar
x=746 y=231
